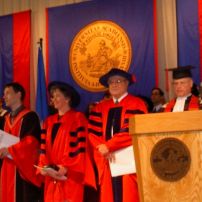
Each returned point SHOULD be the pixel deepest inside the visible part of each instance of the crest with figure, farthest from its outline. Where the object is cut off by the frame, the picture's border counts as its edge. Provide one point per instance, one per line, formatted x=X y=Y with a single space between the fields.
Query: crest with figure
x=170 y=159
x=97 y=48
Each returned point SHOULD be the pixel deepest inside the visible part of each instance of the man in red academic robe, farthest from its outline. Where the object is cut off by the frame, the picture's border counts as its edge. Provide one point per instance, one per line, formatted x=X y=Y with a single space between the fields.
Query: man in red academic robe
x=18 y=179
x=109 y=132
x=182 y=83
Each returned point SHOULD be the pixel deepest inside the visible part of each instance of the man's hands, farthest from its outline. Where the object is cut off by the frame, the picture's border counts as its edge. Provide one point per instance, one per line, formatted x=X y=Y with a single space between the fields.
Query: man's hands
x=104 y=151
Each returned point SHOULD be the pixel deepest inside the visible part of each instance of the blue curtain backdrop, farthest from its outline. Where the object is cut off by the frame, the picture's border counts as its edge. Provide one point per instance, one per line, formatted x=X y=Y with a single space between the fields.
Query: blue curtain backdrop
x=6 y=51
x=135 y=17
x=188 y=36
x=15 y=37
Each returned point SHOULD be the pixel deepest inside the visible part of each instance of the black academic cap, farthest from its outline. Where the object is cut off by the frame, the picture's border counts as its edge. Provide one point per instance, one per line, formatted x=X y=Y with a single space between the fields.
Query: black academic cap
x=116 y=72
x=181 y=72
x=68 y=90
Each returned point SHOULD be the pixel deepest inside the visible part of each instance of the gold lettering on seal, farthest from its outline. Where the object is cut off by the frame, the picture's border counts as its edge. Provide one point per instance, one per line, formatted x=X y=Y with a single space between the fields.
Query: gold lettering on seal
x=97 y=48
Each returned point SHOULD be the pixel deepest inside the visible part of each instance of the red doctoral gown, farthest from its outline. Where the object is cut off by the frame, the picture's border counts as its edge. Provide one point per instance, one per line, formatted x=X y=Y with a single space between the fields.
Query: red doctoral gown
x=191 y=103
x=64 y=143
x=20 y=170
x=98 y=126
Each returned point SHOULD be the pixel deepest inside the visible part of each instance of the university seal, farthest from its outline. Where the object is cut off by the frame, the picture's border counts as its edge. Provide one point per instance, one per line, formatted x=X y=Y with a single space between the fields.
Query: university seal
x=170 y=159
x=97 y=48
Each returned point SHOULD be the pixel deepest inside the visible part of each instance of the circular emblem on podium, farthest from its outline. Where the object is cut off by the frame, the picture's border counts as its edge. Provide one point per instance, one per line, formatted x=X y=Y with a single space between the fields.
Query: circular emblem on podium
x=170 y=159
x=97 y=48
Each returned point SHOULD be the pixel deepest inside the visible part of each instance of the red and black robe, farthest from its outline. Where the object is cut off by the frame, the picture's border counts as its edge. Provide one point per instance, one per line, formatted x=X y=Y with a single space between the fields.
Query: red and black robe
x=191 y=103
x=104 y=116
x=64 y=143
x=19 y=182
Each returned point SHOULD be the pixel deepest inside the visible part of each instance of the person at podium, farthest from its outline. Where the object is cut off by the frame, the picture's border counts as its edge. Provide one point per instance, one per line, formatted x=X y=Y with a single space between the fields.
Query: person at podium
x=109 y=132
x=182 y=84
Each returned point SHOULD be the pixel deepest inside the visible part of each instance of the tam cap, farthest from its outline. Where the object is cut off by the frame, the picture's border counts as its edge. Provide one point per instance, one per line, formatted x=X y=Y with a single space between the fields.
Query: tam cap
x=116 y=72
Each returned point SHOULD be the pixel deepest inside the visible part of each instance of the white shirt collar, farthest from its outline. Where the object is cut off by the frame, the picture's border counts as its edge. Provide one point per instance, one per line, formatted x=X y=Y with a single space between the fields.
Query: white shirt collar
x=179 y=104
x=184 y=97
x=157 y=107
x=121 y=98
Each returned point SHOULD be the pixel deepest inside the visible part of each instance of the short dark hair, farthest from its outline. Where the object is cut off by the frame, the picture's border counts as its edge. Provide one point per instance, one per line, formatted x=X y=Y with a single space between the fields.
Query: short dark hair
x=67 y=94
x=161 y=93
x=17 y=88
x=67 y=90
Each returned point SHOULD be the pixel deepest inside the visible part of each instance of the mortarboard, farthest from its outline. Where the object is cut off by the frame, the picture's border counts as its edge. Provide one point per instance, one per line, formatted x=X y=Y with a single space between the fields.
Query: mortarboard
x=181 y=72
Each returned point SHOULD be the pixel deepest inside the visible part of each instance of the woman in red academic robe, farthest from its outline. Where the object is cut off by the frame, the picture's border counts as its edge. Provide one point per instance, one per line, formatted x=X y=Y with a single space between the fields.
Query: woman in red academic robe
x=63 y=147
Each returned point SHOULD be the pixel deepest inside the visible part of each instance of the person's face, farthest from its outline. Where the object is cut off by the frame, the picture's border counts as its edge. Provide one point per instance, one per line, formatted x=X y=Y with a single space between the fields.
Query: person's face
x=59 y=100
x=182 y=87
x=118 y=85
x=156 y=97
x=11 y=97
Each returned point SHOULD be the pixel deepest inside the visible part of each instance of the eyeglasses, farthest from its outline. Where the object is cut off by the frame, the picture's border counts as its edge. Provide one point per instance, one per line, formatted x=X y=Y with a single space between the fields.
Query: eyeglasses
x=117 y=82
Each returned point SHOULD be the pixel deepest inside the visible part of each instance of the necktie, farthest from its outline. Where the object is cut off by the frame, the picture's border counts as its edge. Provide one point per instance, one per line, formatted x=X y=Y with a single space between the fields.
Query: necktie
x=116 y=101
x=154 y=110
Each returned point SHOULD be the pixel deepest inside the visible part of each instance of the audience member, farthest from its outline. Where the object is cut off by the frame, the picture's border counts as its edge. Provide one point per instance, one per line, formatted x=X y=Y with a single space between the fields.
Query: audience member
x=158 y=99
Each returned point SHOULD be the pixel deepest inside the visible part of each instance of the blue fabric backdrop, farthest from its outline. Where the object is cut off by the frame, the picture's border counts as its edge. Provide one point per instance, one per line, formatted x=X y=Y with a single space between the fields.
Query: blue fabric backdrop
x=135 y=17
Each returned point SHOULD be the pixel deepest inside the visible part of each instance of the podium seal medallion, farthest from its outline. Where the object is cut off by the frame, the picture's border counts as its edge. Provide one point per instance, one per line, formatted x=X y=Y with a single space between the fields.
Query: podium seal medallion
x=170 y=159
x=95 y=49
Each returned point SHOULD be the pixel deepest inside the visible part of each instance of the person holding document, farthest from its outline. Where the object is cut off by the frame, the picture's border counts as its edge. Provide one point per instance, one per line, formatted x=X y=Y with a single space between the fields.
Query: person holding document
x=19 y=182
x=109 y=134
x=63 y=149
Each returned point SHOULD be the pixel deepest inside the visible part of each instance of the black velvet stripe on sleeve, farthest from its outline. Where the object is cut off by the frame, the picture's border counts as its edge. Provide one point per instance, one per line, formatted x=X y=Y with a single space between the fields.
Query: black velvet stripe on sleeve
x=42 y=151
x=77 y=152
x=43 y=131
x=80 y=139
x=124 y=130
x=75 y=133
x=126 y=120
x=43 y=141
x=135 y=111
x=95 y=123
x=94 y=132
x=97 y=114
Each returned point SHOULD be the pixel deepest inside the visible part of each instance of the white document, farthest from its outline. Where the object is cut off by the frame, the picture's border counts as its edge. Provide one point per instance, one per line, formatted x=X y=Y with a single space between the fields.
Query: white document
x=124 y=162
x=7 y=140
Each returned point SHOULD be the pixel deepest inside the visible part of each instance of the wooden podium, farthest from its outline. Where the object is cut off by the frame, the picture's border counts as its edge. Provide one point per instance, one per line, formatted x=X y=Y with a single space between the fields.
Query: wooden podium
x=147 y=132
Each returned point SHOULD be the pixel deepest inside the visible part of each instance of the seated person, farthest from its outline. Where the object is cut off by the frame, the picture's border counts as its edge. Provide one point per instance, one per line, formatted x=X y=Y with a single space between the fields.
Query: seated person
x=182 y=83
x=158 y=99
